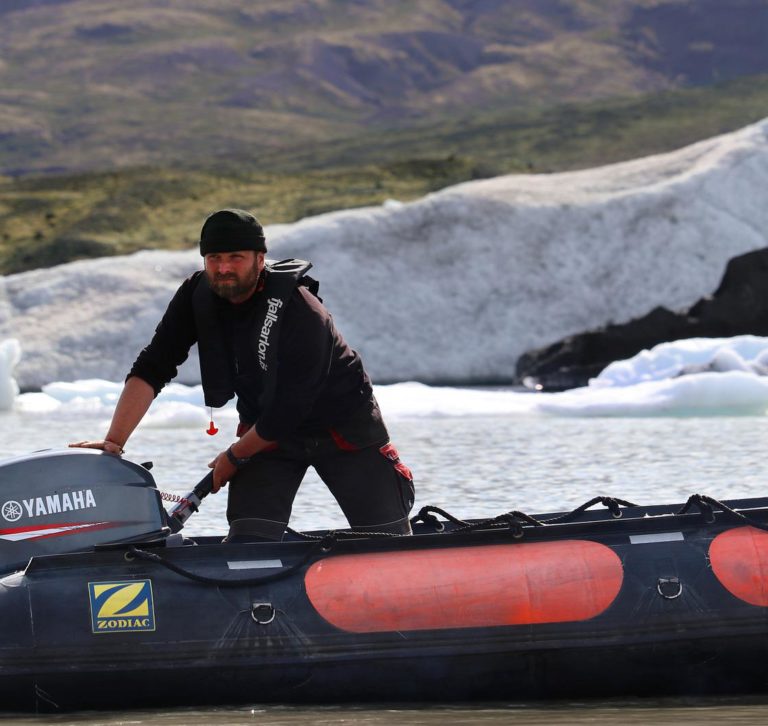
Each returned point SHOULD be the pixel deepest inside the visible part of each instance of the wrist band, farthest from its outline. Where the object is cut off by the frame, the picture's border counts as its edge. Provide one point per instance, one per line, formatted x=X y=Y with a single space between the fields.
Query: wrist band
x=237 y=462
x=114 y=443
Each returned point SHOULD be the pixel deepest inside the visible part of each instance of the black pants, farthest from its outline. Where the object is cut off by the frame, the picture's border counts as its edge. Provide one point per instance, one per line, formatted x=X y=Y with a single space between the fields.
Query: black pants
x=373 y=488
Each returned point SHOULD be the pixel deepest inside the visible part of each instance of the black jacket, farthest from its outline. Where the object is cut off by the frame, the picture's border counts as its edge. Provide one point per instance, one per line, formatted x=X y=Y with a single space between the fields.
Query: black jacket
x=320 y=381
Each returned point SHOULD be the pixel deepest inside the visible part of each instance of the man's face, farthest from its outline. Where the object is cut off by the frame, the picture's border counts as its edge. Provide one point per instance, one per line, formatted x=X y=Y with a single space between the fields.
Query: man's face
x=234 y=275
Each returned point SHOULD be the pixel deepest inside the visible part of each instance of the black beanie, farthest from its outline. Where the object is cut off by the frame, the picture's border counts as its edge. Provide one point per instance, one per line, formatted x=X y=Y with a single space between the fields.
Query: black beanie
x=231 y=230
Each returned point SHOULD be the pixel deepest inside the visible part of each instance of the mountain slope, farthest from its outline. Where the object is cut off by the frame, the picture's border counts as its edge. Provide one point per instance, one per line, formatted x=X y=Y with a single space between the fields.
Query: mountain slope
x=95 y=84
x=47 y=220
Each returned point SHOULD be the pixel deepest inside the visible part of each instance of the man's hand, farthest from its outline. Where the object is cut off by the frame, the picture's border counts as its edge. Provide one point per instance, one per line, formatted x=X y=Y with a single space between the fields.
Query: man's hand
x=104 y=444
x=225 y=466
x=134 y=402
x=223 y=471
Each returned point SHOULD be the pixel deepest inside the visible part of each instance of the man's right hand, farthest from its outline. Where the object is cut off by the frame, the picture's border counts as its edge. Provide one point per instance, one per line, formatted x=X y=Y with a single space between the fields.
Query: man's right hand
x=109 y=446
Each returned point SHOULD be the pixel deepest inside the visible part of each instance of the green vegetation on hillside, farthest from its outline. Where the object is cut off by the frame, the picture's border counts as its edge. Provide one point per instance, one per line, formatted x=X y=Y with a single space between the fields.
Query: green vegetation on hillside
x=49 y=220
x=557 y=138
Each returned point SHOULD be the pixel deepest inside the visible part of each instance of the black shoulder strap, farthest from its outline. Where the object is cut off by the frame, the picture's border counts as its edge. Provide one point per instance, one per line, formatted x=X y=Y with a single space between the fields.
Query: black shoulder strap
x=298 y=269
x=281 y=280
x=215 y=365
x=291 y=266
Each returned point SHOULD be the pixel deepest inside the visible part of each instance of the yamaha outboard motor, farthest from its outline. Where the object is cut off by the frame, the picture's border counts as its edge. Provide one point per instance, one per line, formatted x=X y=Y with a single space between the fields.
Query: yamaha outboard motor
x=71 y=501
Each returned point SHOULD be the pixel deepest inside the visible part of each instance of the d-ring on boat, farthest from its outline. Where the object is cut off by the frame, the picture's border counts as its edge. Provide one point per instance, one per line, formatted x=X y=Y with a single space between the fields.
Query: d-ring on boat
x=105 y=603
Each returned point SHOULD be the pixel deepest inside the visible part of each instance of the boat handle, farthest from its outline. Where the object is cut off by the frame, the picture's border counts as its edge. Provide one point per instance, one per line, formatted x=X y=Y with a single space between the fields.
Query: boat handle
x=662 y=586
x=263 y=612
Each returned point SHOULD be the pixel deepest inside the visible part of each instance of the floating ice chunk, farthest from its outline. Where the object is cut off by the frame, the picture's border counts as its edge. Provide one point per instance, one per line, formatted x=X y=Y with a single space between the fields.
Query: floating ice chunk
x=10 y=355
x=693 y=355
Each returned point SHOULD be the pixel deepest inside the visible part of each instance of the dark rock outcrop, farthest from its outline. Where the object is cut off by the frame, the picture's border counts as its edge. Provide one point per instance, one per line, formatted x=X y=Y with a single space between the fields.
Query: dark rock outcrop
x=739 y=306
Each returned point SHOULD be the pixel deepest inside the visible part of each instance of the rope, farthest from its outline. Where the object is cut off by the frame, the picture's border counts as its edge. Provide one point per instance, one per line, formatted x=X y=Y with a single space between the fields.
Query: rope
x=700 y=501
x=611 y=502
x=707 y=507
x=324 y=545
x=515 y=519
x=512 y=520
x=341 y=534
x=427 y=515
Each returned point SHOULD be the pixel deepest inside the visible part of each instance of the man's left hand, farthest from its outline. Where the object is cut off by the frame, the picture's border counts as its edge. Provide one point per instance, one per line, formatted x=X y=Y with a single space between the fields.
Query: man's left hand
x=223 y=471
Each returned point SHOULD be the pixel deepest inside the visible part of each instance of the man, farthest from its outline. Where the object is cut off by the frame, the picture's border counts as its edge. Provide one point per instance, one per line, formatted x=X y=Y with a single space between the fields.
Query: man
x=303 y=396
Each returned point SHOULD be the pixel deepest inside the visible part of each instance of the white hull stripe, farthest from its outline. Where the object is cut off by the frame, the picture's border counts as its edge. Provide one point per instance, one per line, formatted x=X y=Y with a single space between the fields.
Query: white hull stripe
x=660 y=537
x=54 y=530
x=254 y=564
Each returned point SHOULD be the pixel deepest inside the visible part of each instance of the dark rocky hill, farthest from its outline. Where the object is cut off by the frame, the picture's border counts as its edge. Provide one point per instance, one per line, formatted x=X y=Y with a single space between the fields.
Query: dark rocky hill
x=739 y=306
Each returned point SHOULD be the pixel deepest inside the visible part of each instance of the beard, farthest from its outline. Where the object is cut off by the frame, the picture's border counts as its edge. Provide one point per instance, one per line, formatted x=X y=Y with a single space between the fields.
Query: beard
x=232 y=287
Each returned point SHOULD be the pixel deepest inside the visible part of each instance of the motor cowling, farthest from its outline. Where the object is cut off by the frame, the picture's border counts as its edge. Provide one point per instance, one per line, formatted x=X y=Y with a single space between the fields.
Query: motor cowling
x=73 y=500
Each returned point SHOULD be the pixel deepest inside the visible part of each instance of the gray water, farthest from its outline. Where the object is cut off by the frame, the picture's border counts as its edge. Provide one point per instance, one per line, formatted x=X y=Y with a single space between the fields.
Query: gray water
x=472 y=467
x=658 y=713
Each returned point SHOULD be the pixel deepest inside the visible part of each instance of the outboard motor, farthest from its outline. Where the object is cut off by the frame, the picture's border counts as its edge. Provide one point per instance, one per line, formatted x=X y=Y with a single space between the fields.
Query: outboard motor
x=72 y=500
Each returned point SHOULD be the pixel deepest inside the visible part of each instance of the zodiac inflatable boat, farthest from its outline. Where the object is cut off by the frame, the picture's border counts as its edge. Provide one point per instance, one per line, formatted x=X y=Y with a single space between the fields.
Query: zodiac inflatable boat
x=105 y=604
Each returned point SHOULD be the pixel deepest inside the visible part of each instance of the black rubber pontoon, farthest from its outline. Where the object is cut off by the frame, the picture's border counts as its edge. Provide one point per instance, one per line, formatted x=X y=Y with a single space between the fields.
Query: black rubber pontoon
x=104 y=604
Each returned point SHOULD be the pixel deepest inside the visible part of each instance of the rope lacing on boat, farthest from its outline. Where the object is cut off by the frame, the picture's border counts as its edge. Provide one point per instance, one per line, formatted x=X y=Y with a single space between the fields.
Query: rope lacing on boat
x=512 y=520
x=612 y=503
x=707 y=506
x=336 y=534
x=320 y=545
x=515 y=519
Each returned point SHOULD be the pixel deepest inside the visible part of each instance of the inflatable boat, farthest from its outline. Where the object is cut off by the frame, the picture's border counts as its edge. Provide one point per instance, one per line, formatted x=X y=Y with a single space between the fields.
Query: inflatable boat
x=104 y=603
